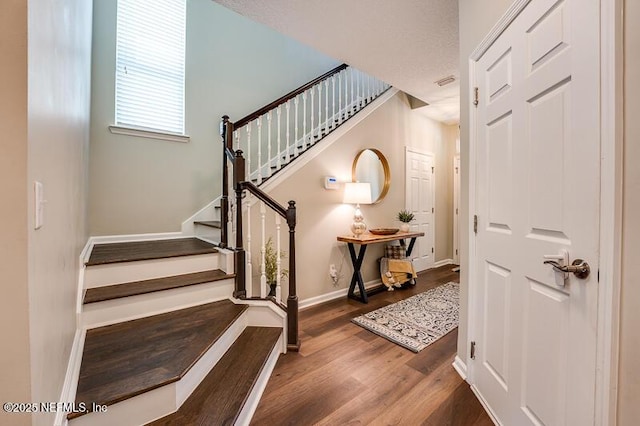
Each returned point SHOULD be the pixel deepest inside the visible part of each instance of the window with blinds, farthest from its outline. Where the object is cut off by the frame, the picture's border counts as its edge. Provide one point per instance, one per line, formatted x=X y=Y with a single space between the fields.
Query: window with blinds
x=150 y=61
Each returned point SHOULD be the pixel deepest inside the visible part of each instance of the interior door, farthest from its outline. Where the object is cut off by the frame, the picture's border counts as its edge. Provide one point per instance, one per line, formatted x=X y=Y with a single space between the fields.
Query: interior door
x=420 y=201
x=537 y=144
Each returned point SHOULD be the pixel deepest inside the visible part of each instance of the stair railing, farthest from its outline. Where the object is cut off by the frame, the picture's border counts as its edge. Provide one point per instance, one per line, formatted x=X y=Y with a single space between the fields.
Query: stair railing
x=272 y=137
x=243 y=256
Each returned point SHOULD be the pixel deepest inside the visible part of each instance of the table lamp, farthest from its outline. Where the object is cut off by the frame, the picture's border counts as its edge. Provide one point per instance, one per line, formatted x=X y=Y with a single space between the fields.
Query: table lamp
x=357 y=193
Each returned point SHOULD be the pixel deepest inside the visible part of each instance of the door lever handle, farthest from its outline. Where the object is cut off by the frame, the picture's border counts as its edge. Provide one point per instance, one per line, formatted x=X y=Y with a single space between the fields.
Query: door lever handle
x=578 y=267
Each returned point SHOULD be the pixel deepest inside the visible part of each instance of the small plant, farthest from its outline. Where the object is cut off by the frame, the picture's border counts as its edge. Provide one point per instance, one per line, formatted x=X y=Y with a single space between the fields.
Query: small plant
x=405 y=216
x=271 y=263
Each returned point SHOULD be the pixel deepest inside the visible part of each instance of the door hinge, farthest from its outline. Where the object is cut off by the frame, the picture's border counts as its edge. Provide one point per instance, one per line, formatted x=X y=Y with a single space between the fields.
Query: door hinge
x=456 y=211
x=433 y=170
x=431 y=249
x=433 y=210
x=473 y=350
x=456 y=251
x=476 y=97
x=475 y=223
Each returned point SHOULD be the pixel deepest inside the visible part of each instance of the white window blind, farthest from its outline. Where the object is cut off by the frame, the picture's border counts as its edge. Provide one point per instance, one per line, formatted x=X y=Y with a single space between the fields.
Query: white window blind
x=150 y=52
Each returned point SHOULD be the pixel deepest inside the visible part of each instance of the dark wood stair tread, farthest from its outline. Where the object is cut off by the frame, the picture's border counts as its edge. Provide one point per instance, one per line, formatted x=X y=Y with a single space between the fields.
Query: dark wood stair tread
x=116 y=291
x=220 y=397
x=123 y=360
x=209 y=223
x=147 y=250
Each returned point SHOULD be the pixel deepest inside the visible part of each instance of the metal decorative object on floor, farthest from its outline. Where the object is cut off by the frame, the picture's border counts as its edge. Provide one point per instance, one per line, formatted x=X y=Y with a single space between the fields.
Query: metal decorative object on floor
x=418 y=321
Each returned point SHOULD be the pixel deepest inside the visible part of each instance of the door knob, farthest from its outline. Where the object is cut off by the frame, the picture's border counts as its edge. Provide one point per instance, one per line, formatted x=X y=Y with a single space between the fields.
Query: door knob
x=578 y=267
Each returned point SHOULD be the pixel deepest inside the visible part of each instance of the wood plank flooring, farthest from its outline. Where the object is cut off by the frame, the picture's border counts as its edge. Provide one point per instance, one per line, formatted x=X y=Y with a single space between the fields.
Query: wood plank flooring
x=146 y=250
x=99 y=294
x=221 y=395
x=345 y=375
x=123 y=360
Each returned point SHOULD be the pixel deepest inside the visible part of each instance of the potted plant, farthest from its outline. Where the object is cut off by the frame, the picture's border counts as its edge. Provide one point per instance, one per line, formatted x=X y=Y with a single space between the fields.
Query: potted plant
x=271 y=266
x=405 y=216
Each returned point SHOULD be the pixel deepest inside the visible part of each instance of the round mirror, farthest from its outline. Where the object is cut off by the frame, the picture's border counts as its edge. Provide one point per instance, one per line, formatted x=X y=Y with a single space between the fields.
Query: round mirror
x=371 y=166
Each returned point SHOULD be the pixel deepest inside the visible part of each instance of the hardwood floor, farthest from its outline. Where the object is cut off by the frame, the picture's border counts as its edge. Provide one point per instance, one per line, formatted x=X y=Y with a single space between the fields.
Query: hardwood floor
x=345 y=375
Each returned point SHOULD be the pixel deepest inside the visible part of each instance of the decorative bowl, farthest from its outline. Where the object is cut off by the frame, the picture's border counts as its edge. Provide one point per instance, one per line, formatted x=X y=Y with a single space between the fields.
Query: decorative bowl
x=384 y=231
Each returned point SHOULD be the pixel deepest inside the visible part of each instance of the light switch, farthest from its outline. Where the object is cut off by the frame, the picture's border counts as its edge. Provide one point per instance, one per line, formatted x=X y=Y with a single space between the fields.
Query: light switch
x=39 y=204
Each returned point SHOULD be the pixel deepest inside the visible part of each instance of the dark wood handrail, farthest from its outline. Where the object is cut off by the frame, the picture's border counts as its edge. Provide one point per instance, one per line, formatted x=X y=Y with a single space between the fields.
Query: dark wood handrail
x=262 y=196
x=246 y=120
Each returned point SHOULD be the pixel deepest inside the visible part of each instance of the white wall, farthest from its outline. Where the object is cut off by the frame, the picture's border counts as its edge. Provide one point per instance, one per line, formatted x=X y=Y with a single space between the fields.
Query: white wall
x=629 y=373
x=58 y=140
x=44 y=114
x=321 y=214
x=233 y=66
x=477 y=17
x=15 y=382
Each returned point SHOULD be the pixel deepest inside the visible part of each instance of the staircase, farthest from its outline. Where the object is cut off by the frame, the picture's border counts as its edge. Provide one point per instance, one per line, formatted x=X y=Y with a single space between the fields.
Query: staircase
x=178 y=330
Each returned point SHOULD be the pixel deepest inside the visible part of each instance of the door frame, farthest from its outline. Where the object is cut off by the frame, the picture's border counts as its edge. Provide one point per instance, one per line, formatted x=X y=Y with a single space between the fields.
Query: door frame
x=456 y=209
x=610 y=247
x=408 y=150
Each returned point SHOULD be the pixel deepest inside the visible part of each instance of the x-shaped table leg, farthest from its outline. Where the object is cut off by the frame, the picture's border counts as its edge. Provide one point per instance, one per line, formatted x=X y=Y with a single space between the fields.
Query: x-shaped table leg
x=357 y=275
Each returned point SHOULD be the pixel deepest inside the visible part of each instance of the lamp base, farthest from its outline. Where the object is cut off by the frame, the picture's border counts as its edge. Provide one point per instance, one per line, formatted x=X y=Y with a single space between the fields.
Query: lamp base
x=358 y=227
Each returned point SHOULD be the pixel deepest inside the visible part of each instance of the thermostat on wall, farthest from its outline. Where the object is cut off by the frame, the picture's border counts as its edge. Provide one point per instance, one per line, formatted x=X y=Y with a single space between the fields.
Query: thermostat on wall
x=330 y=182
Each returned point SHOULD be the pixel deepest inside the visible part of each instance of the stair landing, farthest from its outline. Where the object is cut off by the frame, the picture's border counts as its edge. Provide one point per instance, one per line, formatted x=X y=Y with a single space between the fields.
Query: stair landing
x=146 y=250
x=123 y=360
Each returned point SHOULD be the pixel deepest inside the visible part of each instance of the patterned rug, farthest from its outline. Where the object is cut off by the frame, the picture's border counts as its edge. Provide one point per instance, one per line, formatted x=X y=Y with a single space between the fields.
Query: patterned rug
x=418 y=321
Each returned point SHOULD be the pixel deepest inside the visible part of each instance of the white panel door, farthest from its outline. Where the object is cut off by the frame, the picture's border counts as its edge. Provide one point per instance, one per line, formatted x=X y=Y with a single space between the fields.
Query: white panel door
x=537 y=144
x=420 y=201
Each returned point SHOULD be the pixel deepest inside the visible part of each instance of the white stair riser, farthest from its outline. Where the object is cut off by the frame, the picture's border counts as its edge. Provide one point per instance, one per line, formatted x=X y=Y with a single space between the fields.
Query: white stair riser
x=118 y=273
x=143 y=305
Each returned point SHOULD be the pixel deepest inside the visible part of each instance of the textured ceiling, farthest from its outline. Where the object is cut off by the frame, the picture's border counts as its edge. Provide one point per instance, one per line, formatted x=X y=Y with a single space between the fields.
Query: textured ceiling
x=407 y=43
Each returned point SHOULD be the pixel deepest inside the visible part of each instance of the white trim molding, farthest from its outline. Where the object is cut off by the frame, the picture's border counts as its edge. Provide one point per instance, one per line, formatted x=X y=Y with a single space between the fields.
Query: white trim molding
x=460 y=367
x=149 y=134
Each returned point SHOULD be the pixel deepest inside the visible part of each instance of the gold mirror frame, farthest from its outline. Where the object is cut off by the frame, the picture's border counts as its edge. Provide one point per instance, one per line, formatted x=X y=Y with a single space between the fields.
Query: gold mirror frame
x=385 y=168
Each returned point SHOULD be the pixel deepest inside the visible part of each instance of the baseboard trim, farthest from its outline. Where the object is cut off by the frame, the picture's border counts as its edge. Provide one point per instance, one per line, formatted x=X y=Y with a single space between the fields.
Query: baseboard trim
x=316 y=300
x=127 y=238
x=460 y=367
x=442 y=262
x=486 y=407
x=70 y=385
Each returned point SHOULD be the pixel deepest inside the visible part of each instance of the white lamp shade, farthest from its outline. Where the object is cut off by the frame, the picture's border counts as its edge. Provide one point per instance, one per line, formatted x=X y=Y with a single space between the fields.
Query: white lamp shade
x=357 y=193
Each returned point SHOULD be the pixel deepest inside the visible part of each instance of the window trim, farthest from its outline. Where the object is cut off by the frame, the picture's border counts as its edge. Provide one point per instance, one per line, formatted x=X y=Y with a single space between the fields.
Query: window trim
x=148 y=133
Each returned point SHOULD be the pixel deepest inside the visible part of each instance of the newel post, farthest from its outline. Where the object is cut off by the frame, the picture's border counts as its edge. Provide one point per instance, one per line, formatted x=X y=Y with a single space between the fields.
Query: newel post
x=226 y=129
x=293 y=342
x=240 y=255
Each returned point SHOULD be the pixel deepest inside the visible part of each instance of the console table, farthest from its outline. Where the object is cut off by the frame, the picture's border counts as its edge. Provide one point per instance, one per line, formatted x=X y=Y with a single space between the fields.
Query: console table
x=364 y=240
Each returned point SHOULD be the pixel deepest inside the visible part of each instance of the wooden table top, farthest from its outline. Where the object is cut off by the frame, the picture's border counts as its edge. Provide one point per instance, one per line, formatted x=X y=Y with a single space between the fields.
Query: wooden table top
x=368 y=238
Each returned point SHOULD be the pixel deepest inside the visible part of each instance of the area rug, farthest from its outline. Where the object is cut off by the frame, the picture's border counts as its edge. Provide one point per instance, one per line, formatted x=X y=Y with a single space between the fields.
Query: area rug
x=418 y=321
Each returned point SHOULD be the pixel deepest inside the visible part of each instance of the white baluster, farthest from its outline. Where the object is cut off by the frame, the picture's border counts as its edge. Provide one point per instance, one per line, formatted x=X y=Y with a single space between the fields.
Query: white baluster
x=319 y=112
x=286 y=153
x=268 y=173
x=259 y=124
x=333 y=100
x=304 y=121
x=326 y=106
x=236 y=139
x=369 y=88
x=312 y=118
x=279 y=154
x=295 y=134
x=278 y=260
x=353 y=86
x=358 y=88
x=263 y=264
x=248 y=128
x=249 y=274
x=340 y=97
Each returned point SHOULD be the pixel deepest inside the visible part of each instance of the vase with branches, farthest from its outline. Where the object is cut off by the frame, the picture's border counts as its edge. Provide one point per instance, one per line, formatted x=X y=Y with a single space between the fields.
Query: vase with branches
x=271 y=266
